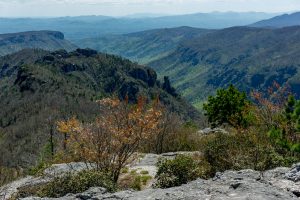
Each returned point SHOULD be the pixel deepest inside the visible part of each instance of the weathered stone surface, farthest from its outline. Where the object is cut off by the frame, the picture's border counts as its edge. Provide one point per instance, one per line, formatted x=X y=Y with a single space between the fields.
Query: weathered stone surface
x=8 y=190
x=294 y=173
x=61 y=169
x=237 y=185
x=208 y=131
x=54 y=171
x=279 y=183
x=90 y=193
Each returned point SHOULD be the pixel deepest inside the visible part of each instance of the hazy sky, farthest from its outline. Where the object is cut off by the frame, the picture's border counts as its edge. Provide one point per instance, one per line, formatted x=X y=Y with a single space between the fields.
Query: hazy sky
x=16 y=8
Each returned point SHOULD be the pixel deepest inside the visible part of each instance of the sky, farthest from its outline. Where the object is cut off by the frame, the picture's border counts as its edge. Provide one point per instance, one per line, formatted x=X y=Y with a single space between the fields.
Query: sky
x=53 y=8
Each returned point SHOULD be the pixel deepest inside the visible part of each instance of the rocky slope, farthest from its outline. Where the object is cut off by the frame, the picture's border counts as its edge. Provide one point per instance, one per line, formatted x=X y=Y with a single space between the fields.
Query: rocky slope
x=276 y=184
x=47 y=40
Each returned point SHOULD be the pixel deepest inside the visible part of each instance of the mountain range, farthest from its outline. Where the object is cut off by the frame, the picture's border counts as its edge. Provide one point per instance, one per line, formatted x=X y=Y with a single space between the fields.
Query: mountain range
x=199 y=61
x=47 y=40
x=143 y=47
x=250 y=58
x=280 y=21
x=81 y=27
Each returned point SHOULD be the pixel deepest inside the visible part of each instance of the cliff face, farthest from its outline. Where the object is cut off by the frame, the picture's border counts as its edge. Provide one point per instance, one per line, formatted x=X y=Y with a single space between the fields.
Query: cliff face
x=47 y=40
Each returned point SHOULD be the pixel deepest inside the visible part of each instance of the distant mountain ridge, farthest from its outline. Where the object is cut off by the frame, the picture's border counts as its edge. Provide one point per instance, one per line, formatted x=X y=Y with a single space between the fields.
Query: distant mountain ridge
x=146 y=46
x=47 y=40
x=280 y=21
x=82 y=27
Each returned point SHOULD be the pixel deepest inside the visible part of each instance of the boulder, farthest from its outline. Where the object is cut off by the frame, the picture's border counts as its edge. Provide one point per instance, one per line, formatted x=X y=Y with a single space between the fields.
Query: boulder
x=208 y=131
x=7 y=191
x=56 y=170
x=294 y=173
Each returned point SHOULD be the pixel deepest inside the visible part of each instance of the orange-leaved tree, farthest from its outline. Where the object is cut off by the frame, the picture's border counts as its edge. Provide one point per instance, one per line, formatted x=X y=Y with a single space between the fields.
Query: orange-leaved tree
x=111 y=140
x=68 y=128
x=270 y=107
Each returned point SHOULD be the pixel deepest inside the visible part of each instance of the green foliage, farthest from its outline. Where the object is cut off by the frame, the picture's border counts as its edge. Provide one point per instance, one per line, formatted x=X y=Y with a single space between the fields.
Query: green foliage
x=140 y=181
x=38 y=169
x=145 y=46
x=178 y=171
x=125 y=170
x=134 y=180
x=8 y=175
x=175 y=135
x=227 y=107
x=243 y=151
x=71 y=183
x=144 y=172
x=238 y=55
x=185 y=139
x=136 y=185
x=285 y=134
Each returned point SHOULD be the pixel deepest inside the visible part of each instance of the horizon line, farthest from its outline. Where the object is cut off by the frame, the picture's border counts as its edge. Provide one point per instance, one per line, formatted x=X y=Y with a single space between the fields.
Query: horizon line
x=151 y=13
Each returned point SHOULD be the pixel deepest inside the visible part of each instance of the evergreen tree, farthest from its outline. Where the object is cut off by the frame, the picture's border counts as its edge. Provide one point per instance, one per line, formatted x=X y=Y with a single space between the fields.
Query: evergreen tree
x=227 y=107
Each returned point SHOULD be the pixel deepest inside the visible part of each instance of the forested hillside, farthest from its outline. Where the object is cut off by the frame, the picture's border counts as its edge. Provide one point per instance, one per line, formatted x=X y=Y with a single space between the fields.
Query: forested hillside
x=203 y=60
x=250 y=58
x=146 y=46
x=37 y=88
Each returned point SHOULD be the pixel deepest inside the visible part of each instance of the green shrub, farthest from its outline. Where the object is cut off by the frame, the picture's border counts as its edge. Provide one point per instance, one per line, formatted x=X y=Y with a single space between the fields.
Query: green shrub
x=133 y=181
x=144 y=172
x=38 y=169
x=139 y=181
x=125 y=170
x=178 y=171
x=75 y=183
x=285 y=132
x=133 y=172
x=136 y=185
x=183 y=138
x=145 y=179
x=243 y=151
x=8 y=175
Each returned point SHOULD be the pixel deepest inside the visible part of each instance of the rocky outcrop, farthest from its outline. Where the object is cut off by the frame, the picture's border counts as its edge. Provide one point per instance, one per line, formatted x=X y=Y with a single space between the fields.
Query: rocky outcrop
x=294 y=173
x=245 y=184
x=47 y=40
x=8 y=191
x=276 y=184
x=56 y=170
